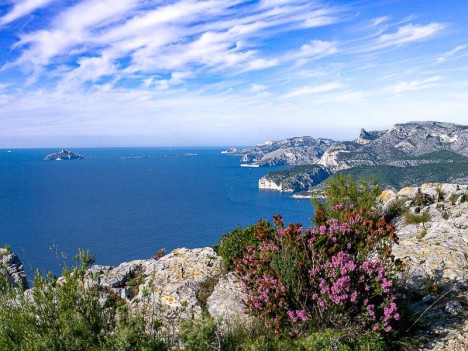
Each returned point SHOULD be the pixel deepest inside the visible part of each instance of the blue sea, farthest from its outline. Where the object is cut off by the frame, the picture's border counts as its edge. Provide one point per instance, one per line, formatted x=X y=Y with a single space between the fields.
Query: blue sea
x=125 y=209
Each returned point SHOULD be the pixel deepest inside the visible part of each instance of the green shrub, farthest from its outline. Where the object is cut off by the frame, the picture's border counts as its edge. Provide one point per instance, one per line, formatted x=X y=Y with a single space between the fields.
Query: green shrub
x=199 y=335
x=327 y=340
x=345 y=191
x=396 y=208
x=414 y=218
x=232 y=245
x=370 y=342
x=67 y=313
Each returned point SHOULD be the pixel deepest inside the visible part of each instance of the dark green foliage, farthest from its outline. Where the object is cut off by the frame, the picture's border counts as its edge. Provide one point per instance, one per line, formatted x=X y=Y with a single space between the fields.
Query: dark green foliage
x=67 y=314
x=206 y=334
x=396 y=208
x=343 y=190
x=414 y=218
x=232 y=245
x=440 y=155
x=399 y=177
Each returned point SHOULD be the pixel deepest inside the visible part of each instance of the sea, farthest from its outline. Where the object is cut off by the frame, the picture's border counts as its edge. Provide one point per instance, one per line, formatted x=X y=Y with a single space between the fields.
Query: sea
x=127 y=203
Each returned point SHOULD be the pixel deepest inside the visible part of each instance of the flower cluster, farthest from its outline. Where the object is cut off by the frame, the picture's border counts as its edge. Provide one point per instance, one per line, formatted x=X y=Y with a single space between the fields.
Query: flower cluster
x=332 y=275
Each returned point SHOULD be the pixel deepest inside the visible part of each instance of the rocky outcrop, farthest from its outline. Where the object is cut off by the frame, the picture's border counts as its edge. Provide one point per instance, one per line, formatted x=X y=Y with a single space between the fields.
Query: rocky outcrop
x=409 y=141
x=434 y=253
x=408 y=145
x=296 y=179
x=64 y=155
x=402 y=142
x=433 y=231
x=269 y=184
x=12 y=267
x=293 y=151
x=178 y=286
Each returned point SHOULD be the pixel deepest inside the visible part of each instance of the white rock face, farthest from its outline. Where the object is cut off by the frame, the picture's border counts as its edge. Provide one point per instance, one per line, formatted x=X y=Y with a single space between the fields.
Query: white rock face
x=177 y=287
x=438 y=248
x=224 y=302
x=264 y=183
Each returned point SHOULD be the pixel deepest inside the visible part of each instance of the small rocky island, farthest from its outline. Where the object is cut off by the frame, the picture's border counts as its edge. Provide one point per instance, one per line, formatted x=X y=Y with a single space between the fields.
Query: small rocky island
x=182 y=154
x=64 y=155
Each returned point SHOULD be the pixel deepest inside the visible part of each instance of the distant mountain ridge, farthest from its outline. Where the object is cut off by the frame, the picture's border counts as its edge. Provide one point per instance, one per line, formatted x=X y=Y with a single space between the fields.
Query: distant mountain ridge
x=292 y=151
x=403 y=145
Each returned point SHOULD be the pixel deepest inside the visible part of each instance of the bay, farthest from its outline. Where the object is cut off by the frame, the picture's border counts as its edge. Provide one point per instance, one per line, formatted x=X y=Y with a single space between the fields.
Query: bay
x=123 y=208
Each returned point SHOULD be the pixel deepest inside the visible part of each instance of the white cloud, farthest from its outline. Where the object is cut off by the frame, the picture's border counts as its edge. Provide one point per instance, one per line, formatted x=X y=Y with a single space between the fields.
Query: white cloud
x=164 y=39
x=448 y=55
x=23 y=8
x=314 y=89
x=255 y=88
x=70 y=30
x=412 y=85
x=318 y=48
x=379 y=20
x=409 y=33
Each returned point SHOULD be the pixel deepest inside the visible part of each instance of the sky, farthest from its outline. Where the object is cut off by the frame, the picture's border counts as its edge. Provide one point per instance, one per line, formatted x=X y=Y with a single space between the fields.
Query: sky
x=225 y=72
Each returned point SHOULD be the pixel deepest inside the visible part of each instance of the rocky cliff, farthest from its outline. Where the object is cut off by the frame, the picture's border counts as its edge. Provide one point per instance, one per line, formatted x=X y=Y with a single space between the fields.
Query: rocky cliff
x=293 y=151
x=433 y=248
x=405 y=143
x=294 y=179
x=440 y=148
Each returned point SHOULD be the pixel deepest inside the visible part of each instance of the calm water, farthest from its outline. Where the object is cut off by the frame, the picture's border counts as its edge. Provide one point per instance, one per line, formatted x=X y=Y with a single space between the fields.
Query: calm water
x=124 y=209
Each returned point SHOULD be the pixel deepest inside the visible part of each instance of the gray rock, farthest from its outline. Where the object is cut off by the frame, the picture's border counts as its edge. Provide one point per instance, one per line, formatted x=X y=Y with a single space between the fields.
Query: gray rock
x=64 y=155
x=226 y=299
x=429 y=299
x=12 y=267
x=454 y=308
x=461 y=199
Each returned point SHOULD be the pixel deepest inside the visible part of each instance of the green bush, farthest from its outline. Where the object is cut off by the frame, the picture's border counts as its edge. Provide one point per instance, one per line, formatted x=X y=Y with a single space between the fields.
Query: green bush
x=344 y=190
x=232 y=245
x=414 y=218
x=68 y=314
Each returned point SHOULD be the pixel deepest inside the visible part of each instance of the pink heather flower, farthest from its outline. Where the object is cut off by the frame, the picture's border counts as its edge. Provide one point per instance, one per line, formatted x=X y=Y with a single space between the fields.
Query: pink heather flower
x=302 y=315
x=388 y=329
x=375 y=327
x=292 y=315
x=397 y=316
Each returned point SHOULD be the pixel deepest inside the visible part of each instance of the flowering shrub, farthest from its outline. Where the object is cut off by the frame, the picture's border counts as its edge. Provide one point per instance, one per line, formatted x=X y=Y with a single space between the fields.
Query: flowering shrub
x=332 y=275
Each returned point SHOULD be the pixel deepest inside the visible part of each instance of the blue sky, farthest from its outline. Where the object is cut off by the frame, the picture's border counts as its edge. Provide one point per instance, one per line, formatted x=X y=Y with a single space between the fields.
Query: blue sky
x=225 y=72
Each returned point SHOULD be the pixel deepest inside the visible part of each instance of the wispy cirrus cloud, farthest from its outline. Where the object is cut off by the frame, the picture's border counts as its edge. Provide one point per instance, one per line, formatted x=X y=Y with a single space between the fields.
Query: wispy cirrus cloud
x=163 y=38
x=23 y=8
x=313 y=50
x=451 y=54
x=314 y=89
x=409 y=33
x=405 y=86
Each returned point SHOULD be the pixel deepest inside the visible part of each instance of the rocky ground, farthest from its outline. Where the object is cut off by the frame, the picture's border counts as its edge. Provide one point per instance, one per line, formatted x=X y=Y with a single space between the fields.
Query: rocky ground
x=435 y=256
x=188 y=282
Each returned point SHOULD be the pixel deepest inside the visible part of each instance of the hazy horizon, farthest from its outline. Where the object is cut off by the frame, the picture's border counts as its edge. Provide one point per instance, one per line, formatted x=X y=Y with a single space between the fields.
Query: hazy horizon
x=82 y=73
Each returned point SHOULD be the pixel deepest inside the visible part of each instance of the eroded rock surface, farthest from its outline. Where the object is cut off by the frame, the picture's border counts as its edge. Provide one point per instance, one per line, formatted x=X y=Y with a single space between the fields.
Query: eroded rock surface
x=435 y=256
x=12 y=267
x=178 y=286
